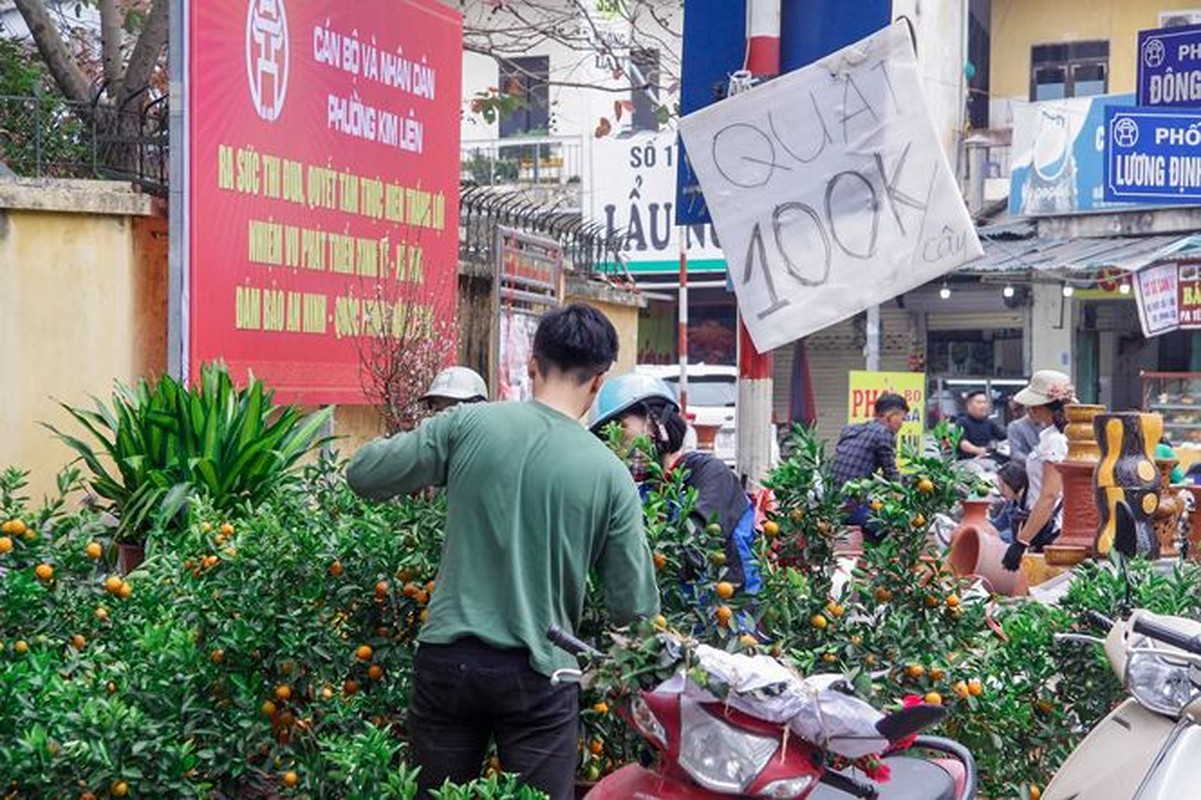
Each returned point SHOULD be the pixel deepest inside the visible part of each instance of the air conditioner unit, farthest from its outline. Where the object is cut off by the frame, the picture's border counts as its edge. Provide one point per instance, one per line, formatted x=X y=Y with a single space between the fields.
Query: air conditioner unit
x=1177 y=19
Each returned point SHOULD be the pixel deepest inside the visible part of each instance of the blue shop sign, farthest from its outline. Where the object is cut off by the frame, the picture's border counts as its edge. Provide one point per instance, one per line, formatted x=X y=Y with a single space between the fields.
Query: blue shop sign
x=1169 y=66
x=1153 y=155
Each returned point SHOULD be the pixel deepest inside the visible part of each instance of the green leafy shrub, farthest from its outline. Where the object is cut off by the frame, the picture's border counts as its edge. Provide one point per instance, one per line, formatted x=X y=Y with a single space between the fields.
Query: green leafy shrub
x=159 y=445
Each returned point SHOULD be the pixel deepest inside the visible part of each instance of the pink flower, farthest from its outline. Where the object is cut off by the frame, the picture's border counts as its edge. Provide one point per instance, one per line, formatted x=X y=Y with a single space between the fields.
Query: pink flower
x=1062 y=392
x=878 y=771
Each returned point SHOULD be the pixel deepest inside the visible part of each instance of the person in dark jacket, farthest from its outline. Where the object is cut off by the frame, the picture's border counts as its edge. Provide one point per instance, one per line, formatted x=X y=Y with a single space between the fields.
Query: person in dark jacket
x=646 y=406
x=980 y=430
x=867 y=449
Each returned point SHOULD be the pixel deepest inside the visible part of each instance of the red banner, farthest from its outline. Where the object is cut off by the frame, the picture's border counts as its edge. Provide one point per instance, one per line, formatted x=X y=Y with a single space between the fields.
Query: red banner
x=324 y=174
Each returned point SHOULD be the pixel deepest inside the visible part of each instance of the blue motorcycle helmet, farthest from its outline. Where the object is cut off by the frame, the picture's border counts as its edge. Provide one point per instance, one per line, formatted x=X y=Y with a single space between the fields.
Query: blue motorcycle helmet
x=629 y=392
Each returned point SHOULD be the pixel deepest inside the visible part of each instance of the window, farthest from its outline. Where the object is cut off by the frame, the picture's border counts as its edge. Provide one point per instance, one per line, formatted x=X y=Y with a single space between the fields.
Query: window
x=978 y=54
x=526 y=79
x=1072 y=69
x=644 y=75
x=709 y=390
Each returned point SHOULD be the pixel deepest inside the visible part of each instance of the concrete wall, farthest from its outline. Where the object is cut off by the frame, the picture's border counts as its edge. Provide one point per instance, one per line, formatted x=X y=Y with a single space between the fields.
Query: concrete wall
x=1054 y=331
x=940 y=29
x=1019 y=24
x=83 y=275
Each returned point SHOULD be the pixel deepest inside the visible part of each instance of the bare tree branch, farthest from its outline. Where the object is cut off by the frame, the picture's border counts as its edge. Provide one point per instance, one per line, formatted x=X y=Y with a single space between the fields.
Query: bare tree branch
x=71 y=80
x=554 y=83
x=400 y=348
x=146 y=53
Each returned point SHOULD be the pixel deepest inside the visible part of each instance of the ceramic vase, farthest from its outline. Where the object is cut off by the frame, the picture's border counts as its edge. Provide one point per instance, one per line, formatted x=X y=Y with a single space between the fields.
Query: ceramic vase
x=1127 y=473
x=977 y=550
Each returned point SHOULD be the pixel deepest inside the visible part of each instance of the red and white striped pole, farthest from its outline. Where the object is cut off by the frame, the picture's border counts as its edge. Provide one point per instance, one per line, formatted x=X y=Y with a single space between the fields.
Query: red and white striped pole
x=755 y=368
x=682 y=323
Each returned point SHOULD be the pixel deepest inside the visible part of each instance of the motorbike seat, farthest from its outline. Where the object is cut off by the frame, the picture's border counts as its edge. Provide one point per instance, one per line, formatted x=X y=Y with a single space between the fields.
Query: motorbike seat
x=912 y=779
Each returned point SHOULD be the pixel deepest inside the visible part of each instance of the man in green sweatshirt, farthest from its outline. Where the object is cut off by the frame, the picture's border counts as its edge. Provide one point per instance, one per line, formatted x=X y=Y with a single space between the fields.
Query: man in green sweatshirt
x=534 y=503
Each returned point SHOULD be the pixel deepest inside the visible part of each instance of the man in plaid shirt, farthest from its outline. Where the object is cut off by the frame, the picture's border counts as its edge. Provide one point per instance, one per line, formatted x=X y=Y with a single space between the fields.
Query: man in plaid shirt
x=868 y=448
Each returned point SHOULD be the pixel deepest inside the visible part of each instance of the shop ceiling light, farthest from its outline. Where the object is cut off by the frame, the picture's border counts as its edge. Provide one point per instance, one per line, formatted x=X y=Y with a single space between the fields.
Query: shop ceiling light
x=1068 y=291
x=1008 y=291
x=945 y=291
x=1124 y=288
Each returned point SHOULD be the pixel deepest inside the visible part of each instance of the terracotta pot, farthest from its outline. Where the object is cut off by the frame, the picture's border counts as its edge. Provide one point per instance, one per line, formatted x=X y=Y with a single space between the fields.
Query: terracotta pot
x=976 y=551
x=1081 y=519
x=706 y=435
x=130 y=557
x=1082 y=440
x=1127 y=473
x=975 y=512
x=1058 y=555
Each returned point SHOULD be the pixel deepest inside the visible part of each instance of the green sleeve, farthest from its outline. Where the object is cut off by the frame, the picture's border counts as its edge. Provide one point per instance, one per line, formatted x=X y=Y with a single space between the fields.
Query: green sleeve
x=405 y=462
x=626 y=570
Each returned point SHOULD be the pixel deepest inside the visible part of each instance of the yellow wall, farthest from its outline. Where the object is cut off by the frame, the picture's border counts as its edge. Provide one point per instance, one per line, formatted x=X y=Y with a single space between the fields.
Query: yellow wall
x=77 y=309
x=355 y=426
x=1019 y=24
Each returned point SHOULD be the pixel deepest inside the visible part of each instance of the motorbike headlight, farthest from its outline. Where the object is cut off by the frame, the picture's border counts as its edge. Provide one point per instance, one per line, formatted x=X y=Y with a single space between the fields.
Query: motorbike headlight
x=719 y=756
x=648 y=724
x=1160 y=685
x=788 y=788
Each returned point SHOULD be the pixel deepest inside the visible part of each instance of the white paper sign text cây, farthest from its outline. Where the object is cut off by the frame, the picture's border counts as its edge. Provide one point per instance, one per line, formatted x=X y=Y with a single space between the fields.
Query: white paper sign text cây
x=829 y=189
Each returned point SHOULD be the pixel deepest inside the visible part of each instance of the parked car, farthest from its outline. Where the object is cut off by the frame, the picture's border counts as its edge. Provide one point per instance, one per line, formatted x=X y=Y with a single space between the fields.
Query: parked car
x=712 y=401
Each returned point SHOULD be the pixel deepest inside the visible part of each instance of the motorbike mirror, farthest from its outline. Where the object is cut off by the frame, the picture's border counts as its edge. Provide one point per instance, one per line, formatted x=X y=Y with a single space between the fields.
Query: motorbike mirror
x=907 y=721
x=1125 y=538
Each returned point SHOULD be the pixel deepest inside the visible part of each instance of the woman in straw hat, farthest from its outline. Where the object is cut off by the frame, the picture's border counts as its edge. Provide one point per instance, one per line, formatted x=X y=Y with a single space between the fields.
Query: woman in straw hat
x=1045 y=397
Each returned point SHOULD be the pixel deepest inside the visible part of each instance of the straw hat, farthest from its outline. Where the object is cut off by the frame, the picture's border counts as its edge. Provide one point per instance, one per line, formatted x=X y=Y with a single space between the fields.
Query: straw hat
x=1047 y=386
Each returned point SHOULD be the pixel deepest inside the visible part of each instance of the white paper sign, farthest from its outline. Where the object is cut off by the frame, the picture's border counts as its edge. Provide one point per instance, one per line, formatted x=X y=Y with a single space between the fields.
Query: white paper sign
x=829 y=189
x=1157 y=291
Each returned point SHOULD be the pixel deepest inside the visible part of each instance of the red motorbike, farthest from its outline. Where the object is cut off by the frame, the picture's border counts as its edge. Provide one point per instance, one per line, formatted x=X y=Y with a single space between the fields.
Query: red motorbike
x=707 y=750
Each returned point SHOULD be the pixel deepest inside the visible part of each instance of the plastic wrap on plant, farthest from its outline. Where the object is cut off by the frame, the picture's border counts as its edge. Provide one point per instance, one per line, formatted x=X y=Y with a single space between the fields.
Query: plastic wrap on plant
x=766 y=689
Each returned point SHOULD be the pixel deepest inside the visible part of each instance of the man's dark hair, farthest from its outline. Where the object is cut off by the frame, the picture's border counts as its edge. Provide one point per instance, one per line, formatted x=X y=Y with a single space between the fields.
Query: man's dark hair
x=972 y=395
x=890 y=402
x=576 y=339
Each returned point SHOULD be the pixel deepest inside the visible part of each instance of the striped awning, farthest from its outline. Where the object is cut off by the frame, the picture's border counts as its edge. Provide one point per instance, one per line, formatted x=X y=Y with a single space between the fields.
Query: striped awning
x=1006 y=252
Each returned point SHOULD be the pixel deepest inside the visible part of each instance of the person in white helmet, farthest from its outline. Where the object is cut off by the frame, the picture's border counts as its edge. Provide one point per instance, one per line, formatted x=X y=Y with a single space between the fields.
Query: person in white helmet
x=455 y=385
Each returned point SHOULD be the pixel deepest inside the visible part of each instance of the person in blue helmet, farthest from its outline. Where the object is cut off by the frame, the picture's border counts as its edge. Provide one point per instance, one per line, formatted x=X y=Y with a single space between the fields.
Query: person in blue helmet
x=646 y=406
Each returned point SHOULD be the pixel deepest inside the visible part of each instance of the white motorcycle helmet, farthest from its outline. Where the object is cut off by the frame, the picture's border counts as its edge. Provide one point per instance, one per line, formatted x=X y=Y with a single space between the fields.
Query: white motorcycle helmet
x=455 y=385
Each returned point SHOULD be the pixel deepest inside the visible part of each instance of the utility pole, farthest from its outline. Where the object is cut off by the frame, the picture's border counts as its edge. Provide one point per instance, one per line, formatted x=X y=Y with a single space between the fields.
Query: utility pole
x=755 y=368
x=682 y=321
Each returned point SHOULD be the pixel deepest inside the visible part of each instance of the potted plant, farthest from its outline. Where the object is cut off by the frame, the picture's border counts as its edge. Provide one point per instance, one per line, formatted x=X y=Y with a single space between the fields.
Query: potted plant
x=158 y=445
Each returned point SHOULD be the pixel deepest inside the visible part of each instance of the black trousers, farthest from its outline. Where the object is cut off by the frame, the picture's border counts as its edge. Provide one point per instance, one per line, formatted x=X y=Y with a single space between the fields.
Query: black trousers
x=466 y=693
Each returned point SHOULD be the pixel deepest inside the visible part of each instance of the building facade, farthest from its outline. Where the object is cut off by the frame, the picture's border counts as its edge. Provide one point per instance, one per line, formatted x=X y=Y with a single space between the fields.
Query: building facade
x=593 y=133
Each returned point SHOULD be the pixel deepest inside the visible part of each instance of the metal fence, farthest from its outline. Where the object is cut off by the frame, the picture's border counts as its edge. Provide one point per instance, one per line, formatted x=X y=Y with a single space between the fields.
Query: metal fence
x=586 y=244
x=55 y=138
x=542 y=160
